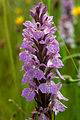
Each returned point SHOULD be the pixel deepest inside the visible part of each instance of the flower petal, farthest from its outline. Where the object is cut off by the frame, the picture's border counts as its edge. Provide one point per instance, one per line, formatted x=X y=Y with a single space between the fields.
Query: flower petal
x=48 y=88
x=28 y=93
x=60 y=96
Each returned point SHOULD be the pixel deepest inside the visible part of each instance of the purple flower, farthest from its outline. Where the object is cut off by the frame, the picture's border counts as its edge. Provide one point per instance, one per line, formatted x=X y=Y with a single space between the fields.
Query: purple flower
x=60 y=96
x=48 y=87
x=58 y=106
x=66 y=27
x=52 y=48
x=28 y=93
x=36 y=73
x=32 y=13
x=67 y=8
x=60 y=75
x=38 y=34
x=43 y=117
x=41 y=58
x=32 y=84
x=55 y=63
x=25 y=78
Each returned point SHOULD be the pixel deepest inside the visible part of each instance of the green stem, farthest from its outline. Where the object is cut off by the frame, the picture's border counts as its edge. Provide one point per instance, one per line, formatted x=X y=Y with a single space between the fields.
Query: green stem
x=8 y=42
x=54 y=115
x=19 y=108
x=49 y=7
x=68 y=57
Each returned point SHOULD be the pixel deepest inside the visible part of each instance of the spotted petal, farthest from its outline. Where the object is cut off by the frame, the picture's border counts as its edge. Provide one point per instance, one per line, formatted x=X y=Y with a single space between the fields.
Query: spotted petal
x=48 y=88
x=28 y=93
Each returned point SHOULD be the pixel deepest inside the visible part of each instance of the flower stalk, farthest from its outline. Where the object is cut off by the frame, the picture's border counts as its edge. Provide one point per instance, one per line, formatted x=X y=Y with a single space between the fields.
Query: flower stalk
x=54 y=115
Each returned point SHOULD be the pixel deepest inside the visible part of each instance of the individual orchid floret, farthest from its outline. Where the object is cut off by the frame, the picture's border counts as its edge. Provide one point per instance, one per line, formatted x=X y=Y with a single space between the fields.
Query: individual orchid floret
x=48 y=88
x=41 y=64
x=28 y=93
x=58 y=106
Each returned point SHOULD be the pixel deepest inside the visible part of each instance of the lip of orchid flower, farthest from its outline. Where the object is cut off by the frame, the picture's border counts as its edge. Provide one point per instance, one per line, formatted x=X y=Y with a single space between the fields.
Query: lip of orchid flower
x=41 y=57
x=41 y=113
x=48 y=88
x=28 y=93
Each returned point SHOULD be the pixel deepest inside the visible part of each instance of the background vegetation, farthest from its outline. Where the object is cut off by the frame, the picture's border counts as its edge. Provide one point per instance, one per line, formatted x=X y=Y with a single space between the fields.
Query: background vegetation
x=12 y=105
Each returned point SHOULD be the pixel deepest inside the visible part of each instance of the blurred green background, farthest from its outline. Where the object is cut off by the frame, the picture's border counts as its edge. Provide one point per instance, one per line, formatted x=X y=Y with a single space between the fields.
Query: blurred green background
x=12 y=14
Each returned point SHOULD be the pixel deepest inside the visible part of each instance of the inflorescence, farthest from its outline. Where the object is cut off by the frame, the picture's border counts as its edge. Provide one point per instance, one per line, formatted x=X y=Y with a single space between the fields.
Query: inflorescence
x=41 y=64
x=66 y=27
